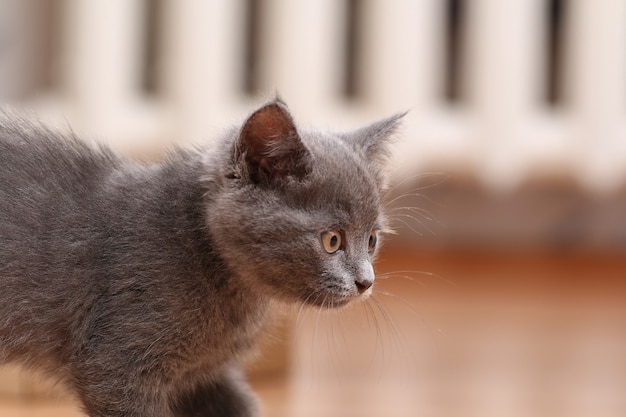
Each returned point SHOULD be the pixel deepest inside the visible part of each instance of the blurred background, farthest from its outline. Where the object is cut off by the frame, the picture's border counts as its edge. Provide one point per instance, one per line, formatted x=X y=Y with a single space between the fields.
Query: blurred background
x=504 y=294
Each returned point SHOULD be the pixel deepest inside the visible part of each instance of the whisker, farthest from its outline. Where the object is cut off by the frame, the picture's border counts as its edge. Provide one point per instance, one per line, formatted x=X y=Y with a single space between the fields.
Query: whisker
x=328 y=347
x=335 y=362
x=401 y=276
x=414 y=177
x=402 y=300
x=432 y=330
x=379 y=340
x=317 y=295
x=418 y=195
x=419 y=211
x=408 y=226
x=342 y=329
x=332 y=329
x=395 y=334
x=411 y=309
x=336 y=351
x=422 y=211
x=302 y=305
x=418 y=272
x=388 y=231
x=397 y=215
x=296 y=330
x=317 y=319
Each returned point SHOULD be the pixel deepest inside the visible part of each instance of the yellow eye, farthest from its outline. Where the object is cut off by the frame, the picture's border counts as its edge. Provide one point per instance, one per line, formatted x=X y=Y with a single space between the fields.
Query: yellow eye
x=371 y=243
x=331 y=240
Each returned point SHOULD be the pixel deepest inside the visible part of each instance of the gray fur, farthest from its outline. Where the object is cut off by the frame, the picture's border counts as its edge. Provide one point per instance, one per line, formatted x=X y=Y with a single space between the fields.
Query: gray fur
x=145 y=286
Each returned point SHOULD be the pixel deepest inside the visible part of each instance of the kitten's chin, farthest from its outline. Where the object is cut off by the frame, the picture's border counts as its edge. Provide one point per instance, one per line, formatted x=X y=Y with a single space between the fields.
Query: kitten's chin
x=335 y=301
x=339 y=302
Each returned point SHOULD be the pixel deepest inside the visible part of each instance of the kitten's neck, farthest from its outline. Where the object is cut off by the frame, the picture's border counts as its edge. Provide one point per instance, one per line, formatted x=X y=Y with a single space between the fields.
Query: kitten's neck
x=185 y=198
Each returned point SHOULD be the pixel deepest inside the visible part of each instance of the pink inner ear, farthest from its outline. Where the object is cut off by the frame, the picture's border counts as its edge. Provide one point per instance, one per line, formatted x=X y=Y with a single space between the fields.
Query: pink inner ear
x=271 y=122
x=268 y=125
x=271 y=145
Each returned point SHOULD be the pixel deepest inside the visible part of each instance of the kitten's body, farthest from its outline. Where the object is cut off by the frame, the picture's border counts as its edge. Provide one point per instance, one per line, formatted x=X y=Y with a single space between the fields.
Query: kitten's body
x=143 y=287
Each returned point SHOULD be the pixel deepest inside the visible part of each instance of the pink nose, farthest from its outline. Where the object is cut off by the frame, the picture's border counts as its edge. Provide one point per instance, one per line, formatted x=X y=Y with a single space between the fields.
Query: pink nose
x=363 y=284
x=365 y=278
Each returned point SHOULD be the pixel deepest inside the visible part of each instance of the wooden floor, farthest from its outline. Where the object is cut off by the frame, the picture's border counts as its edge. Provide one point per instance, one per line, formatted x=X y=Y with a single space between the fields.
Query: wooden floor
x=490 y=335
x=11 y=408
x=271 y=391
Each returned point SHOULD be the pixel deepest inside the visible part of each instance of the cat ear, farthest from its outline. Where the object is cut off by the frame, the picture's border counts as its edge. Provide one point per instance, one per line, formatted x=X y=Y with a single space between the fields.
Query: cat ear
x=374 y=139
x=269 y=146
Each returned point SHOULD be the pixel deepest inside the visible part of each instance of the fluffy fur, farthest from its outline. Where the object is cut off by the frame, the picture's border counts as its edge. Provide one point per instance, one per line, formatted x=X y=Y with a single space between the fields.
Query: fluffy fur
x=144 y=286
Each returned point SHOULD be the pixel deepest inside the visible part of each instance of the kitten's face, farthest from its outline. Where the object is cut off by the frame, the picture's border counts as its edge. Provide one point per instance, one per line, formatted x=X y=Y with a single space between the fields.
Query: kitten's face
x=302 y=222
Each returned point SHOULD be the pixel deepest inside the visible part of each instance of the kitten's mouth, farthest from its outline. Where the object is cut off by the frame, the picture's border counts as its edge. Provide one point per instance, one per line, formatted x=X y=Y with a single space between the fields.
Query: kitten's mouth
x=335 y=301
x=339 y=302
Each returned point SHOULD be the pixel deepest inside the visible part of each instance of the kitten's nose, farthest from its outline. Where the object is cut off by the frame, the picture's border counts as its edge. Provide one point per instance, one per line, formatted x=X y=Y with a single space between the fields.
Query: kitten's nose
x=363 y=285
x=365 y=279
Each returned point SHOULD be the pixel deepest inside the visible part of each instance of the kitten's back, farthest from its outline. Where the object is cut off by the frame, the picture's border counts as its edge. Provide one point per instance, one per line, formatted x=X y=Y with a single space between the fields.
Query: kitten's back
x=35 y=159
x=45 y=182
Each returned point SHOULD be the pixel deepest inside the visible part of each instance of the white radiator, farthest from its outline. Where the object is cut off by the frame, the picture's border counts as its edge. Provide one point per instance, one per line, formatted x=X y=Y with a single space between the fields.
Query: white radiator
x=502 y=130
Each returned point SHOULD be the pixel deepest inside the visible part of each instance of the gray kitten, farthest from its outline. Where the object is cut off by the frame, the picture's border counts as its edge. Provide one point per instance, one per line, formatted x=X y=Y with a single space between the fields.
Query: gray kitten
x=144 y=286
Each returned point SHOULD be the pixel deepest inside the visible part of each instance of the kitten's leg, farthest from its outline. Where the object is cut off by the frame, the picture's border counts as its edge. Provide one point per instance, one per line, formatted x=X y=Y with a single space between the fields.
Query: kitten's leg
x=229 y=396
x=106 y=393
x=103 y=404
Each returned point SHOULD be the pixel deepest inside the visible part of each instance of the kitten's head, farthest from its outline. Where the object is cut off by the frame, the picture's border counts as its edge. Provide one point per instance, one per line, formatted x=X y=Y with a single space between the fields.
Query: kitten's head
x=302 y=211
